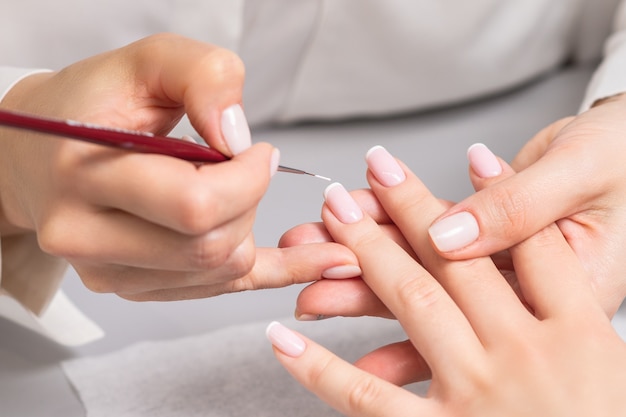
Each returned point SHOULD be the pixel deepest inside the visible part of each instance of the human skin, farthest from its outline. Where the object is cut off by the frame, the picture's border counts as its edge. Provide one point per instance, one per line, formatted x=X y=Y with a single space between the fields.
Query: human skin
x=571 y=173
x=148 y=227
x=491 y=353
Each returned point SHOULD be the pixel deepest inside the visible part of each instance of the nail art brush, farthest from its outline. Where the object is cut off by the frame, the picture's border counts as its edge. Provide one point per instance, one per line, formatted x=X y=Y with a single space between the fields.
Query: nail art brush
x=130 y=140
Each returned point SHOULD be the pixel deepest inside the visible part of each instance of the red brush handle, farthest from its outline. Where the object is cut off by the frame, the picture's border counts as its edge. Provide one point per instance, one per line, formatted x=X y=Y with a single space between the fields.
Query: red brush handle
x=117 y=138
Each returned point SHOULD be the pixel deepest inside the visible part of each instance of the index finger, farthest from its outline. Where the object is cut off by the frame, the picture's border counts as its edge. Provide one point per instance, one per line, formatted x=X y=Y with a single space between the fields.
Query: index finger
x=177 y=194
x=343 y=386
x=415 y=298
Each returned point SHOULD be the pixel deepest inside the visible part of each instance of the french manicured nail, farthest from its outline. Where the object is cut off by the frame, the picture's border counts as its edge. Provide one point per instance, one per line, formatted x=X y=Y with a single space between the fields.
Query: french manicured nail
x=311 y=317
x=285 y=340
x=342 y=204
x=235 y=129
x=483 y=161
x=454 y=232
x=274 y=161
x=342 y=272
x=384 y=166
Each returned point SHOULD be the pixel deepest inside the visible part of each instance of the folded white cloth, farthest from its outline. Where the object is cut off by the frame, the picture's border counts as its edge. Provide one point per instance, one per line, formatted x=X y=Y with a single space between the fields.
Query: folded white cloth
x=229 y=372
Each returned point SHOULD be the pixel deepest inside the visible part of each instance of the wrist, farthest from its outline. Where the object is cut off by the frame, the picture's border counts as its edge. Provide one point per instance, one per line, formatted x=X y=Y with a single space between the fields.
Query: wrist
x=20 y=97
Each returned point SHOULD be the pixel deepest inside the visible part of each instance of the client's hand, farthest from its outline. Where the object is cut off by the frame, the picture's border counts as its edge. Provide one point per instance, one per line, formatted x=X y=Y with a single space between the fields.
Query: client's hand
x=489 y=353
x=572 y=173
x=148 y=227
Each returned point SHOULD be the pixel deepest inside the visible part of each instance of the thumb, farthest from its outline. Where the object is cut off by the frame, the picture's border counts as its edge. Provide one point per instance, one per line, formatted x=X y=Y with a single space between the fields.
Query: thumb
x=205 y=79
x=509 y=211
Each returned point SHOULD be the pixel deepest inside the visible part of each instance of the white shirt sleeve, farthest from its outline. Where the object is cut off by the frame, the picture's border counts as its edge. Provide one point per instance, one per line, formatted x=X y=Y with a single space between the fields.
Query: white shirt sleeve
x=30 y=278
x=610 y=77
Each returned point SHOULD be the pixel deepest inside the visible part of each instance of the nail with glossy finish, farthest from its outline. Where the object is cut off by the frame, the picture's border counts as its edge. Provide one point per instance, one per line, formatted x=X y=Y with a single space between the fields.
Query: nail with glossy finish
x=454 y=232
x=483 y=161
x=342 y=204
x=235 y=129
x=342 y=272
x=274 y=161
x=285 y=340
x=384 y=166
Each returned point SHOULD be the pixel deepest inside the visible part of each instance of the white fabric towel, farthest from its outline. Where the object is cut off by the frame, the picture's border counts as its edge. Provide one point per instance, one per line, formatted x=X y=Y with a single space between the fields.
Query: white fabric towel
x=229 y=372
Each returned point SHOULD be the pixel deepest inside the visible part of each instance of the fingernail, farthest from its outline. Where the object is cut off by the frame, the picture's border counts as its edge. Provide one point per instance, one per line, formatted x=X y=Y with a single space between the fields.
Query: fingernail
x=384 y=166
x=342 y=204
x=311 y=317
x=274 y=161
x=235 y=129
x=483 y=161
x=285 y=340
x=342 y=272
x=188 y=138
x=454 y=232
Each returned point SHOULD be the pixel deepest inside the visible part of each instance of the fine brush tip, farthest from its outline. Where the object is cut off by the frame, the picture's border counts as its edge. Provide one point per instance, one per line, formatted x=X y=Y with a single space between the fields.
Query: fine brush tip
x=319 y=176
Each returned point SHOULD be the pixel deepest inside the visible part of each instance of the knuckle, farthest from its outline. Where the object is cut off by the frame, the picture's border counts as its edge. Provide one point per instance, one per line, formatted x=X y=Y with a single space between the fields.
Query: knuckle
x=195 y=211
x=420 y=292
x=95 y=282
x=319 y=372
x=233 y=261
x=209 y=251
x=415 y=203
x=363 y=242
x=362 y=390
x=509 y=210
x=53 y=239
x=363 y=393
x=549 y=237
x=223 y=65
x=241 y=261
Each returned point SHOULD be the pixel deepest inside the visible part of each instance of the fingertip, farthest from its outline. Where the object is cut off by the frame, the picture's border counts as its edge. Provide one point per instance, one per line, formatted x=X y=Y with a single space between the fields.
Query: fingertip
x=329 y=188
x=342 y=205
x=285 y=340
x=260 y=155
x=235 y=129
x=483 y=162
x=274 y=161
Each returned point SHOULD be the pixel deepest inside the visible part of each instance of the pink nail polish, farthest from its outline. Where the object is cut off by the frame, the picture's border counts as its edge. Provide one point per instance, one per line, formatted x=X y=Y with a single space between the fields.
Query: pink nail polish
x=342 y=272
x=454 y=232
x=235 y=129
x=274 y=161
x=384 y=166
x=285 y=340
x=483 y=161
x=342 y=204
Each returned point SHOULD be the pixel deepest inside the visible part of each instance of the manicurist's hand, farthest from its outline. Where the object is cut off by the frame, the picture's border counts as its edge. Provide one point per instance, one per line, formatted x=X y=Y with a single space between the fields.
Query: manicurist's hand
x=572 y=173
x=489 y=353
x=148 y=227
